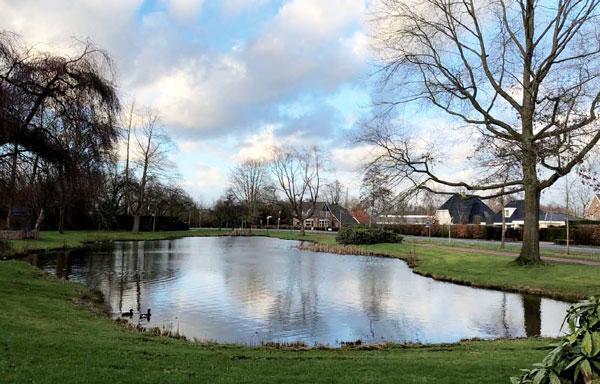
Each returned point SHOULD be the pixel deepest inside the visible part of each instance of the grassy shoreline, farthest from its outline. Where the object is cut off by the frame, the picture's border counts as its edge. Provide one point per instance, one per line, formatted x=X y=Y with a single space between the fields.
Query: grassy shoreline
x=56 y=331
x=567 y=282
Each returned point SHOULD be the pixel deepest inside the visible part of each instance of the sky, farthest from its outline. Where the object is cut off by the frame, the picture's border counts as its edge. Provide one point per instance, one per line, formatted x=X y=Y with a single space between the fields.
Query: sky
x=231 y=78
x=228 y=78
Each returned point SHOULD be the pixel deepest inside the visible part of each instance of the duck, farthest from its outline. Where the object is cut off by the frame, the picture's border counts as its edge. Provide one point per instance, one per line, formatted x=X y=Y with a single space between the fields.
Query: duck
x=127 y=314
x=146 y=315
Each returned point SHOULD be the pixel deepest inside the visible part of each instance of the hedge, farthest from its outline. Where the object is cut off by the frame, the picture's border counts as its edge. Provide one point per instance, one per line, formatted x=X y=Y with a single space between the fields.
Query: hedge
x=359 y=234
x=585 y=234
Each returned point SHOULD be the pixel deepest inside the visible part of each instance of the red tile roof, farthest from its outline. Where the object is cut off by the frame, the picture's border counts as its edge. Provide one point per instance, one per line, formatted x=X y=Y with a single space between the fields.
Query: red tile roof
x=361 y=216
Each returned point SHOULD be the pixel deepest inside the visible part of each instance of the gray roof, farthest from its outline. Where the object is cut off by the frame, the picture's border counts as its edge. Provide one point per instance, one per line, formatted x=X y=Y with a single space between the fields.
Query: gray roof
x=340 y=212
x=519 y=214
x=467 y=210
x=336 y=210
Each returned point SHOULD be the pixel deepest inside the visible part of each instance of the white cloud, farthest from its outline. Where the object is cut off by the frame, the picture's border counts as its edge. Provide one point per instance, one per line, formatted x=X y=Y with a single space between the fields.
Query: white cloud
x=207 y=183
x=184 y=11
x=260 y=145
x=350 y=159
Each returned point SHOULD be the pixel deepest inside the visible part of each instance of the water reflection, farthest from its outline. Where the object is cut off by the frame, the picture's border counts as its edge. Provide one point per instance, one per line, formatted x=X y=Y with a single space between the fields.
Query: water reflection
x=260 y=289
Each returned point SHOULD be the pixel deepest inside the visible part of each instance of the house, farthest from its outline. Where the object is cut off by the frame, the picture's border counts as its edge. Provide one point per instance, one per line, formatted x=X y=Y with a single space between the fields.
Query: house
x=514 y=213
x=592 y=211
x=327 y=216
x=402 y=219
x=457 y=210
x=362 y=217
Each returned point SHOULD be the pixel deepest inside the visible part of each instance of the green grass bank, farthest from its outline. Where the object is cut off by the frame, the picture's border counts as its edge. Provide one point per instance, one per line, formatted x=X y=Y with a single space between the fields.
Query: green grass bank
x=56 y=332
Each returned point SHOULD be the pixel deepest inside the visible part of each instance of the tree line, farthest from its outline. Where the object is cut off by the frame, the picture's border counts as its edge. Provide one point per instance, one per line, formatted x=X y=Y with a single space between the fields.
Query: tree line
x=61 y=125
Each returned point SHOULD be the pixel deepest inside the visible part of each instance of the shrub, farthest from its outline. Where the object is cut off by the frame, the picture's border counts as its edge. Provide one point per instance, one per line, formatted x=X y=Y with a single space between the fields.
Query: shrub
x=364 y=235
x=584 y=234
x=576 y=358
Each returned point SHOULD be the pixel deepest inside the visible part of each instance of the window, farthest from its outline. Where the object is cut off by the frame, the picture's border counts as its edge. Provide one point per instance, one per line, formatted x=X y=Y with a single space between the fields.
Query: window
x=309 y=222
x=323 y=223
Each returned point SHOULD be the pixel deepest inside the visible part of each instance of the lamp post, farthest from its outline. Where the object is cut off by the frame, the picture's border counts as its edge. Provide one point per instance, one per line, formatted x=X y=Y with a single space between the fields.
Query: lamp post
x=268 y=217
x=278 y=220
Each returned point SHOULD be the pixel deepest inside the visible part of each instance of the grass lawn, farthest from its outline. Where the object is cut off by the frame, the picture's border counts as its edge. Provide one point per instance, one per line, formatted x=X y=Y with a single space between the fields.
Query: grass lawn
x=71 y=239
x=54 y=332
x=574 y=252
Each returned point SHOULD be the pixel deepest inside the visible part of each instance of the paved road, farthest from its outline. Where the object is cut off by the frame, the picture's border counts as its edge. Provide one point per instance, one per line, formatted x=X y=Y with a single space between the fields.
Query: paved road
x=509 y=244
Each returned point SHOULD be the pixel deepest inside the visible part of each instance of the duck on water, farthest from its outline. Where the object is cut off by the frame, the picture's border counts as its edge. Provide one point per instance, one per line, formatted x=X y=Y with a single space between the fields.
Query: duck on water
x=142 y=315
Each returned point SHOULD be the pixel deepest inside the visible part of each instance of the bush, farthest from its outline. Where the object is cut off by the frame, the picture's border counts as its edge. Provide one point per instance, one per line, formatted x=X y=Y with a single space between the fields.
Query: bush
x=576 y=358
x=364 y=235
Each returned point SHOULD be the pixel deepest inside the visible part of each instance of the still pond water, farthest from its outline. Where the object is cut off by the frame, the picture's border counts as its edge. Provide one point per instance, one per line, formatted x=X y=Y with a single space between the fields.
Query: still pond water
x=257 y=289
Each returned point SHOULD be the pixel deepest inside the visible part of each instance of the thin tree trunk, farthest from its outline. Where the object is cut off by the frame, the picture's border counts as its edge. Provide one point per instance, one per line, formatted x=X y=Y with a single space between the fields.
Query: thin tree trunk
x=61 y=218
x=61 y=209
x=503 y=224
x=40 y=218
x=11 y=188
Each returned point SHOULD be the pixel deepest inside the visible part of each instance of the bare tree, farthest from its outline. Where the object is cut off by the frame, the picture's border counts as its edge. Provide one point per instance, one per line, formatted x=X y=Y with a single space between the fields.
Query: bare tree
x=334 y=192
x=522 y=74
x=247 y=182
x=298 y=177
x=127 y=121
x=150 y=153
x=375 y=191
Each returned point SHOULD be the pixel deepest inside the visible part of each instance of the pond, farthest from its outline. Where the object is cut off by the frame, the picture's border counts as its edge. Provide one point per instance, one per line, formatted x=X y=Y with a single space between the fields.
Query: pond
x=257 y=289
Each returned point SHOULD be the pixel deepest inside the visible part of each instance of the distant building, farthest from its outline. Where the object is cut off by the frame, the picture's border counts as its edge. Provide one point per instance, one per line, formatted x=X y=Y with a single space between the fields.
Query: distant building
x=592 y=212
x=514 y=213
x=327 y=216
x=457 y=210
x=361 y=217
x=402 y=219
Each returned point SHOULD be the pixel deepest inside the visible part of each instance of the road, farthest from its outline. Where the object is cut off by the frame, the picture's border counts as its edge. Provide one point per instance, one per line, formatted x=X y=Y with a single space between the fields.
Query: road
x=509 y=244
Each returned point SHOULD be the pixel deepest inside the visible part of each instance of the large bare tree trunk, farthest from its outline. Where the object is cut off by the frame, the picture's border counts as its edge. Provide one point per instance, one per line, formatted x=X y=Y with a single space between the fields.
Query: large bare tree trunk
x=136 y=224
x=530 y=249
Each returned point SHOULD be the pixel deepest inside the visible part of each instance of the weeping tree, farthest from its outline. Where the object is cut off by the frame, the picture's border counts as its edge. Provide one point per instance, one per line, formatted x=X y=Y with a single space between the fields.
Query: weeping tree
x=521 y=74
x=48 y=99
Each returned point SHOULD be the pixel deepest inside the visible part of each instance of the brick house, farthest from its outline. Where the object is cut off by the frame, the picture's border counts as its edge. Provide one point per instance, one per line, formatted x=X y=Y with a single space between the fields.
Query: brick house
x=592 y=212
x=327 y=216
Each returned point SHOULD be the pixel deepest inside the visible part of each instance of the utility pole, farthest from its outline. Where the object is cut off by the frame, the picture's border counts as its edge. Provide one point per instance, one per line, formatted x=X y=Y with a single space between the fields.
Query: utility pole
x=567 y=215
